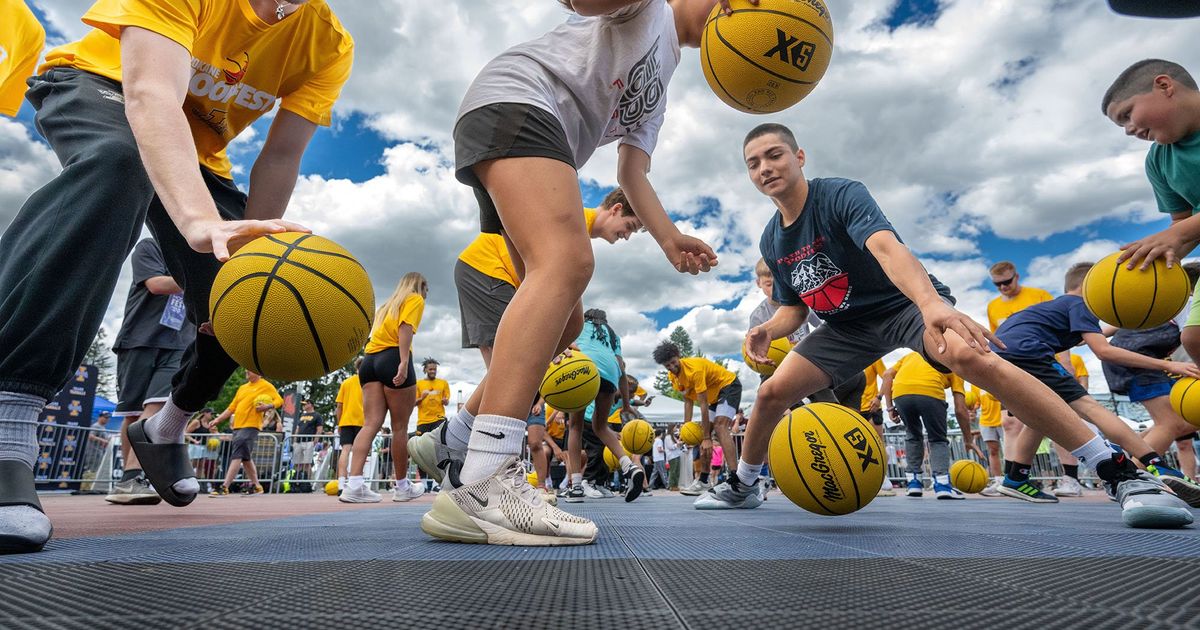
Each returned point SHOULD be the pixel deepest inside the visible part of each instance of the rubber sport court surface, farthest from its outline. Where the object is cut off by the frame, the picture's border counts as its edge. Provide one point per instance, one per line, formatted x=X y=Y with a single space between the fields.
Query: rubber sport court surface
x=292 y=561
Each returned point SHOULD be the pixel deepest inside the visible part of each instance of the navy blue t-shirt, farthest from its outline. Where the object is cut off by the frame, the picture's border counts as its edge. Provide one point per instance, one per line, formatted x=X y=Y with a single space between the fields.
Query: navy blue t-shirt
x=1046 y=329
x=822 y=259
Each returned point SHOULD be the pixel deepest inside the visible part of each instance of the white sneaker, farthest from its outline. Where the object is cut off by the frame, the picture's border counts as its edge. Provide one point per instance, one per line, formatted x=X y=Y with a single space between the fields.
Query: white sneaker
x=696 y=488
x=363 y=494
x=413 y=491
x=886 y=489
x=504 y=509
x=1068 y=487
x=992 y=488
x=591 y=491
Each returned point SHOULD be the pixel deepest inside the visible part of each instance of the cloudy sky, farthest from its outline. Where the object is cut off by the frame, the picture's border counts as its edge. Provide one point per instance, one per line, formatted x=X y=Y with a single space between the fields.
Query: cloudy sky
x=975 y=124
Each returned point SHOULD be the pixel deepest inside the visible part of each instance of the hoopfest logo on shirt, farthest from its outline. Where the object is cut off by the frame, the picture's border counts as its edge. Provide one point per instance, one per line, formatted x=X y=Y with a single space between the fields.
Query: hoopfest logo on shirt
x=820 y=283
x=643 y=92
x=223 y=88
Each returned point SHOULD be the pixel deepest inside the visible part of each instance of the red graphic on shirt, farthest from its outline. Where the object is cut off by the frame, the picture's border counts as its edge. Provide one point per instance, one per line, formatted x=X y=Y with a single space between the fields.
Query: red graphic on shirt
x=819 y=282
x=235 y=77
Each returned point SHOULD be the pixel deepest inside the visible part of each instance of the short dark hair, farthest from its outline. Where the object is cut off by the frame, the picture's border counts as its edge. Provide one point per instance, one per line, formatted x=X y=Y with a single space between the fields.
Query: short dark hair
x=1075 y=275
x=665 y=352
x=1139 y=79
x=617 y=196
x=427 y=361
x=764 y=129
x=1193 y=272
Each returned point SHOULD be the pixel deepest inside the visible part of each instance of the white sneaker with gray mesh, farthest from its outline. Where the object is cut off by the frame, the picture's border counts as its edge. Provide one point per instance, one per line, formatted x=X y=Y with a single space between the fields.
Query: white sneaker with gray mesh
x=696 y=488
x=413 y=491
x=1067 y=486
x=503 y=509
x=363 y=494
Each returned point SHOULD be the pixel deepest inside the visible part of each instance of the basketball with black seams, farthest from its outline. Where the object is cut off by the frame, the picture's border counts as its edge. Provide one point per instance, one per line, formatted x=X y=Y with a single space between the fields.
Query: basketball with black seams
x=827 y=459
x=764 y=58
x=292 y=306
x=571 y=384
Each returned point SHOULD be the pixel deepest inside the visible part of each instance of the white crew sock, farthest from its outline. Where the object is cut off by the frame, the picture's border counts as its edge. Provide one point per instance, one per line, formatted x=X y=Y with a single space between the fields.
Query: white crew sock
x=403 y=485
x=166 y=426
x=625 y=463
x=1095 y=451
x=494 y=439
x=748 y=473
x=576 y=479
x=342 y=481
x=458 y=430
x=354 y=482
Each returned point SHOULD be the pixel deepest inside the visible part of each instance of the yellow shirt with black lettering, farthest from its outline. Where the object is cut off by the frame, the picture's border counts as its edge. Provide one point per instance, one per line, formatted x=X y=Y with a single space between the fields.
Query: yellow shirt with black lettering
x=21 y=41
x=873 y=373
x=432 y=408
x=989 y=410
x=386 y=333
x=1077 y=365
x=244 y=404
x=914 y=376
x=697 y=376
x=350 y=397
x=1002 y=308
x=488 y=254
x=240 y=65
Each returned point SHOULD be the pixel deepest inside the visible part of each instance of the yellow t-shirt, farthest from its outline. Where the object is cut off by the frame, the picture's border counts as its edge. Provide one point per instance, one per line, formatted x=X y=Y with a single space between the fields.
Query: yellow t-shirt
x=351 y=398
x=555 y=428
x=1078 y=366
x=914 y=376
x=240 y=65
x=989 y=410
x=21 y=40
x=245 y=415
x=488 y=254
x=697 y=376
x=1002 y=308
x=431 y=408
x=386 y=333
x=873 y=373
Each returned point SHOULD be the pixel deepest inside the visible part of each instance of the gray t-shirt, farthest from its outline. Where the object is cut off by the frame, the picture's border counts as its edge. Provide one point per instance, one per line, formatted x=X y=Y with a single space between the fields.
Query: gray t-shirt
x=765 y=311
x=822 y=260
x=152 y=321
x=604 y=78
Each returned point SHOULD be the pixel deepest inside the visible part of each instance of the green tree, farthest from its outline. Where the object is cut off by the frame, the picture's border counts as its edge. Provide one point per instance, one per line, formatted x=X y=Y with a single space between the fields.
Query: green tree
x=681 y=338
x=100 y=354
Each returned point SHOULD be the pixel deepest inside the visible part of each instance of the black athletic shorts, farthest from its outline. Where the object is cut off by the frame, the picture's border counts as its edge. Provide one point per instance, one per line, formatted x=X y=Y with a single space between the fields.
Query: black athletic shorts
x=380 y=367
x=430 y=426
x=348 y=434
x=504 y=130
x=876 y=417
x=1052 y=374
x=730 y=395
x=1194 y=435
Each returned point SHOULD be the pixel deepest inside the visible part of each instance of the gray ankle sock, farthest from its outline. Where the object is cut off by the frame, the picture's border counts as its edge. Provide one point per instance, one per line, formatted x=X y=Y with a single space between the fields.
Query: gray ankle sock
x=18 y=430
x=167 y=426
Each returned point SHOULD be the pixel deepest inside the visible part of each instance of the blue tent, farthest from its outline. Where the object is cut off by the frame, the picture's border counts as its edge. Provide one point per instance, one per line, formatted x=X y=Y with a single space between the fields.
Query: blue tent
x=100 y=403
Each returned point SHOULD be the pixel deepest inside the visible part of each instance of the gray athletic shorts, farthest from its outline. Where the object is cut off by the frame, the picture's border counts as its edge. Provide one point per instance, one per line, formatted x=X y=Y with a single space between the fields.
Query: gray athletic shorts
x=991 y=434
x=844 y=349
x=144 y=377
x=244 y=441
x=481 y=302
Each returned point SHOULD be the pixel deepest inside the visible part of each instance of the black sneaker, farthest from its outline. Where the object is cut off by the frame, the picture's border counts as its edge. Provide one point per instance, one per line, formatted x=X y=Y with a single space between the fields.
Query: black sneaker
x=574 y=494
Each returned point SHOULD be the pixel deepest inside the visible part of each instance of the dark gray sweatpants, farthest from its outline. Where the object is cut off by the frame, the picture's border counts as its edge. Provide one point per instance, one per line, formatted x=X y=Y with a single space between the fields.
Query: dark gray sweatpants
x=60 y=257
x=919 y=411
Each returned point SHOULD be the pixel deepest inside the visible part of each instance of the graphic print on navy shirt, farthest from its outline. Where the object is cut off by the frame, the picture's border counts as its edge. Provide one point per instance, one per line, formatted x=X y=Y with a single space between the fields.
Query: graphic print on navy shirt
x=821 y=259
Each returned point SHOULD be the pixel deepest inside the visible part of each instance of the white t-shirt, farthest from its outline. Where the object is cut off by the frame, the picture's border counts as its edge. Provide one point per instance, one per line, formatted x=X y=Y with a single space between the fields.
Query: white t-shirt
x=765 y=311
x=604 y=78
x=659 y=454
x=672 y=447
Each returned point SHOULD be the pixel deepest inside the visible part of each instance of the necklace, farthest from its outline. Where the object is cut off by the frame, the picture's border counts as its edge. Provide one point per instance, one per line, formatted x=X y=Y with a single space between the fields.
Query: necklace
x=279 y=14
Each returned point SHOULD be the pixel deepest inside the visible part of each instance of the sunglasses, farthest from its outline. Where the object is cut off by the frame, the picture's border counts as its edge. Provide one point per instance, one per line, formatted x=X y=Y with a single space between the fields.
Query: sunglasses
x=1004 y=283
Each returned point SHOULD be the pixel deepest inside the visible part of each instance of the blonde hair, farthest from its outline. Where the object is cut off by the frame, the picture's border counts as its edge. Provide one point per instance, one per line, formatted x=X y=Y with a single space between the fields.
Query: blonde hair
x=1001 y=267
x=761 y=268
x=410 y=284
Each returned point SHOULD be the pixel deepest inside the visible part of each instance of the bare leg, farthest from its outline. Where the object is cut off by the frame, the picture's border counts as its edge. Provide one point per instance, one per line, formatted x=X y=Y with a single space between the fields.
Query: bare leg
x=795 y=379
x=1168 y=424
x=993 y=450
x=374 y=409
x=235 y=466
x=251 y=471
x=1187 y=457
x=539 y=453
x=400 y=404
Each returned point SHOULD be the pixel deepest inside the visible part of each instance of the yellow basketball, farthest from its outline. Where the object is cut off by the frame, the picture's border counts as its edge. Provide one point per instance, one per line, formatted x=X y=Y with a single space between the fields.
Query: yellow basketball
x=968 y=476
x=214 y=444
x=1133 y=298
x=972 y=398
x=1185 y=399
x=691 y=433
x=777 y=352
x=764 y=59
x=827 y=459
x=637 y=436
x=532 y=479
x=572 y=384
x=331 y=487
x=611 y=460
x=292 y=306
